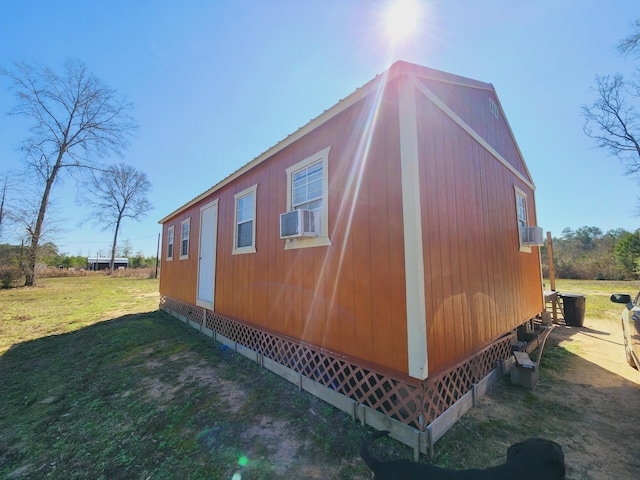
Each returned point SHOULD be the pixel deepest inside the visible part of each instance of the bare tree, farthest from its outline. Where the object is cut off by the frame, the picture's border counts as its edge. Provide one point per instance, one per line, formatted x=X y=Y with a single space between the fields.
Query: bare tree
x=3 y=199
x=12 y=208
x=119 y=192
x=631 y=43
x=613 y=120
x=75 y=120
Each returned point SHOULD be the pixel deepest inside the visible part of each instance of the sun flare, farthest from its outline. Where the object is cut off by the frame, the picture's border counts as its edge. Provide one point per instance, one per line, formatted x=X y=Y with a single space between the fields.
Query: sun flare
x=402 y=18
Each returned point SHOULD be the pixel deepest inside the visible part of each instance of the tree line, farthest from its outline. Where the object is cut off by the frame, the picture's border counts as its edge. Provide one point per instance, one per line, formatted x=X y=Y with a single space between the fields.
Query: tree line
x=588 y=253
x=49 y=256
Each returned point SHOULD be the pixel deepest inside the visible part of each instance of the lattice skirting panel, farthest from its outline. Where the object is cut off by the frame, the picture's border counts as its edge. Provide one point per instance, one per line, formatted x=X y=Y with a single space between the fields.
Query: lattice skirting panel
x=373 y=397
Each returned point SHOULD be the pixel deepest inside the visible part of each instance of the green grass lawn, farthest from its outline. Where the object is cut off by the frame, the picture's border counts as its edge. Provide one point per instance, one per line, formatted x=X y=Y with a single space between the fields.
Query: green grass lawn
x=97 y=383
x=61 y=305
x=598 y=305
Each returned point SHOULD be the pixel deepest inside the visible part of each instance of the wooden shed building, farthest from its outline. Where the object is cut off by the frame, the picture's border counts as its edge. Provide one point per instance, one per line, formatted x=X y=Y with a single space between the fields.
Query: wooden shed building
x=387 y=250
x=104 y=263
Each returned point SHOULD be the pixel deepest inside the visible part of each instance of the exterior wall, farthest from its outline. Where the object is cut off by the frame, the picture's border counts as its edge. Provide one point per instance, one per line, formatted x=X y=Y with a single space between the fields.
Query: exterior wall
x=178 y=277
x=478 y=283
x=347 y=297
x=350 y=297
x=475 y=106
x=105 y=263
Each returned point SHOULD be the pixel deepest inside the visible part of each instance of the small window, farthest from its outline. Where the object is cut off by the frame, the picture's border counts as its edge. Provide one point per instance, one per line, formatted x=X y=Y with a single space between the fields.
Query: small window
x=308 y=189
x=184 y=245
x=170 y=235
x=521 y=212
x=494 y=109
x=245 y=221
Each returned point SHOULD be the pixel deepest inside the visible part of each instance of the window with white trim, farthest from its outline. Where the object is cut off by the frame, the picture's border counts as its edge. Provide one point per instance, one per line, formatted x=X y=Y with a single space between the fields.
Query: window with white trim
x=308 y=189
x=170 y=237
x=306 y=185
x=245 y=221
x=184 y=244
x=521 y=214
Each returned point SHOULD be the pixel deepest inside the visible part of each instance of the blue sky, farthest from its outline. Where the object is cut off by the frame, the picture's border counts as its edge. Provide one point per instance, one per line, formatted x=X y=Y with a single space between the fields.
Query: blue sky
x=216 y=83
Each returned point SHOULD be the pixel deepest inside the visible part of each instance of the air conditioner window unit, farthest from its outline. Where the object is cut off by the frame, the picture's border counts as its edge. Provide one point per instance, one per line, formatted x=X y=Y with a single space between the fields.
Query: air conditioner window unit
x=298 y=224
x=532 y=235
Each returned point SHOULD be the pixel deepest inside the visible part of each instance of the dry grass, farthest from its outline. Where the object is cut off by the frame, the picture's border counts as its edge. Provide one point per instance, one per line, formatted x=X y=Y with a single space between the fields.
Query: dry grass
x=64 y=304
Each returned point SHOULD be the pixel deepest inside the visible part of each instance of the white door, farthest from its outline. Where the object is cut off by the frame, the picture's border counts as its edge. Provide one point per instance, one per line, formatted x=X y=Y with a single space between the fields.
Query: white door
x=207 y=255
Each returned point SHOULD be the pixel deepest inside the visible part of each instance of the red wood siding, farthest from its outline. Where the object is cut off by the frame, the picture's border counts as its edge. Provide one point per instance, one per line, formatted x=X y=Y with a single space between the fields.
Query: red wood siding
x=179 y=276
x=473 y=106
x=348 y=297
x=478 y=284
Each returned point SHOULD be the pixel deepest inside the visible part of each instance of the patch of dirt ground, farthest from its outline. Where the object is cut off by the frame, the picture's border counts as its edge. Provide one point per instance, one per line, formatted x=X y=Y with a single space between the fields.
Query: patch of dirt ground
x=606 y=392
x=600 y=394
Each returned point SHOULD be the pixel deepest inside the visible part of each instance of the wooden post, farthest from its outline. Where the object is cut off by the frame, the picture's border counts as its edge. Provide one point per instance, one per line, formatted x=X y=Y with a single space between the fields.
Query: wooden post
x=552 y=273
x=157 y=257
x=552 y=278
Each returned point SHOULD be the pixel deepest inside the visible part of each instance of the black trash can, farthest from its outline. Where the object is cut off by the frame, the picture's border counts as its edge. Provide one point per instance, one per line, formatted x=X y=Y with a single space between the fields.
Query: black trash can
x=574 y=307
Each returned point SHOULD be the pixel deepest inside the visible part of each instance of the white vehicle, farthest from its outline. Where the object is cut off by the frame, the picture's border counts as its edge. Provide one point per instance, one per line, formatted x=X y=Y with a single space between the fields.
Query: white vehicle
x=630 y=326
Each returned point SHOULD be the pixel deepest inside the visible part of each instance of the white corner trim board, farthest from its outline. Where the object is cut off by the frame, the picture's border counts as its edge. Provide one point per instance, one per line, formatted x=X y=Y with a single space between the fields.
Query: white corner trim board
x=412 y=215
